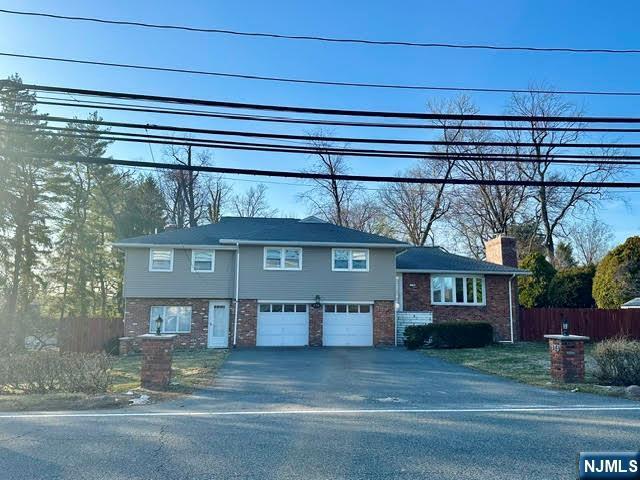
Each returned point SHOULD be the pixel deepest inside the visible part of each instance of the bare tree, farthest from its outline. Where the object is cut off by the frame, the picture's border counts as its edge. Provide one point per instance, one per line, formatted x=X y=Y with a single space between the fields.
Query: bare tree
x=414 y=208
x=330 y=198
x=185 y=190
x=555 y=204
x=219 y=192
x=253 y=203
x=591 y=240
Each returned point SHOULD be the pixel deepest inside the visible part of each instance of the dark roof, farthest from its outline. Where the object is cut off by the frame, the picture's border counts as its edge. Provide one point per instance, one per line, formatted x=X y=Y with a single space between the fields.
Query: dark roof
x=633 y=303
x=262 y=230
x=437 y=259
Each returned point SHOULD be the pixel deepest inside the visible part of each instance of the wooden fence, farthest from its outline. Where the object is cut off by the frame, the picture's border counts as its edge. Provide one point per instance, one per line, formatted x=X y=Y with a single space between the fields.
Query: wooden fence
x=594 y=323
x=88 y=334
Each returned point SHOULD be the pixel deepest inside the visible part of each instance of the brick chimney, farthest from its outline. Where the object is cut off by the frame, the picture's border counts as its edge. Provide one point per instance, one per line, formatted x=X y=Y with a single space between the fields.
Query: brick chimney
x=502 y=250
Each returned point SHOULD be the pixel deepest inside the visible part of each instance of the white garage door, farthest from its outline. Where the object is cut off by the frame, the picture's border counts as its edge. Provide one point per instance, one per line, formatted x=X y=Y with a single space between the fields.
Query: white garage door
x=282 y=325
x=347 y=325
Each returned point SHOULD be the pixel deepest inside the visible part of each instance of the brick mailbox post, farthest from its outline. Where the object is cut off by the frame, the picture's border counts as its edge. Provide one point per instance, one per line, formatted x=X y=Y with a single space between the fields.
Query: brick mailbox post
x=157 y=353
x=567 y=357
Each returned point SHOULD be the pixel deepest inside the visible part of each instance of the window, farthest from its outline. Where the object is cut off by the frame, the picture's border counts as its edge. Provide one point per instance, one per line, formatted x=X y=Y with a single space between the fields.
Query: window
x=160 y=260
x=347 y=308
x=202 y=260
x=457 y=290
x=282 y=258
x=174 y=319
x=345 y=259
x=286 y=308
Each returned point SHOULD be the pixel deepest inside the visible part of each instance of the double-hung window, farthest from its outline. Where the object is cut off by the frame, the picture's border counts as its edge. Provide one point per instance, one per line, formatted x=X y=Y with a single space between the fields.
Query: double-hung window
x=457 y=290
x=202 y=260
x=350 y=259
x=161 y=260
x=282 y=258
x=174 y=319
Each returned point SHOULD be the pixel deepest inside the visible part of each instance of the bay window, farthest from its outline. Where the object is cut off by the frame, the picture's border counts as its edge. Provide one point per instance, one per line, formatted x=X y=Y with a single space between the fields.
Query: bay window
x=457 y=290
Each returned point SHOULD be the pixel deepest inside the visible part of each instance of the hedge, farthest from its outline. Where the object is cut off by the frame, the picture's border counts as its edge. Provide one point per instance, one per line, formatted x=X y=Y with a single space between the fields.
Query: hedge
x=449 y=335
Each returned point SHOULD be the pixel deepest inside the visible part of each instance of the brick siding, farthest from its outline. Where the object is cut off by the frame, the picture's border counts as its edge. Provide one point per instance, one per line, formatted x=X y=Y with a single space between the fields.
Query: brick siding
x=384 y=323
x=315 y=326
x=416 y=297
x=567 y=360
x=247 y=323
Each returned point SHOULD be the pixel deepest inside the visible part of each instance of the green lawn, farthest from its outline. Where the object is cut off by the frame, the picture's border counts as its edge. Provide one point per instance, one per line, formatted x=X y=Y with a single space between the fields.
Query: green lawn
x=525 y=362
x=191 y=369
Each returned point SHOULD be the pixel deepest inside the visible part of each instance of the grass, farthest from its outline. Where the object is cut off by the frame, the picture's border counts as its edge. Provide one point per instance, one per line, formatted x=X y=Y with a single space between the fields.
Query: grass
x=190 y=370
x=525 y=362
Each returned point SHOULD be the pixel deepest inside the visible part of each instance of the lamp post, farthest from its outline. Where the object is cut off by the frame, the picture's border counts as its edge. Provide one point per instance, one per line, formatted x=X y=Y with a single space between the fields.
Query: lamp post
x=565 y=326
x=317 y=303
x=158 y=325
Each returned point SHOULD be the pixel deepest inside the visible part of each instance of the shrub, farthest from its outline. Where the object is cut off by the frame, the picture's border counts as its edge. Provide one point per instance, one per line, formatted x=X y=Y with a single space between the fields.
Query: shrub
x=449 y=335
x=617 y=278
x=112 y=346
x=571 y=288
x=533 y=290
x=46 y=372
x=618 y=361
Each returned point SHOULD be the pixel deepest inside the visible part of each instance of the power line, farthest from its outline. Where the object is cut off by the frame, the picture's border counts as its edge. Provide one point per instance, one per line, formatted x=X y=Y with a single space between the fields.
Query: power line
x=315 y=38
x=319 y=176
x=321 y=111
x=332 y=123
x=316 y=82
x=311 y=138
x=279 y=148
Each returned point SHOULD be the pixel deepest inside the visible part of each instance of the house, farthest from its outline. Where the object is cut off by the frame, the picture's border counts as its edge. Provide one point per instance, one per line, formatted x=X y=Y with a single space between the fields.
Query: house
x=633 y=303
x=446 y=287
x=290 y=282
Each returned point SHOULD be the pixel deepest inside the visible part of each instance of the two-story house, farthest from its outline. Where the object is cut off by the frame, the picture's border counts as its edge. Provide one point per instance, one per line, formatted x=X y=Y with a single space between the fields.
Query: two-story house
x=290 y=282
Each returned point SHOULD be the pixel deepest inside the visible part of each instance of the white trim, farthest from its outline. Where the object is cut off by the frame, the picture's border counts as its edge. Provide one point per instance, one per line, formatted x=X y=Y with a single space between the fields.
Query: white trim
x=314 y=244
x=399 y=292
x=464 y=303
x=460 y=272
x=349 y=261
x=177 y=246
x=151 y=269
x=213 y=303
x=368 y=302
x=282 y=258
x=511 y=307
x=213 y=260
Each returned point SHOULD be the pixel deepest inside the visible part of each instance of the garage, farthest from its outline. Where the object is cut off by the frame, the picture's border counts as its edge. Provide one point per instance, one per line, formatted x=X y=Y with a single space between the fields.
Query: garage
x=347 y=325
x=282 y=325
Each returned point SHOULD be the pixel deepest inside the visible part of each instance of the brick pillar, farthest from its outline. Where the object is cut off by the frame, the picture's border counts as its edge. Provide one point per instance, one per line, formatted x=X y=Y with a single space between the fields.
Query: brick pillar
x=384 y=323
x=157 y=353
x=315 y=326
x=126 y=345
x=567 y=357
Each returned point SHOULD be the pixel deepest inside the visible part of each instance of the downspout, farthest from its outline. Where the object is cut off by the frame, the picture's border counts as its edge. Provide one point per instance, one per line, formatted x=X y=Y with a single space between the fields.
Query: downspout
x=511 y=305
x=235 y=313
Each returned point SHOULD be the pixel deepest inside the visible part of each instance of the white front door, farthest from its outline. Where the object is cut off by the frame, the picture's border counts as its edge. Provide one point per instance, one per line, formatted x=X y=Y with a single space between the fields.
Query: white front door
x=218 y=324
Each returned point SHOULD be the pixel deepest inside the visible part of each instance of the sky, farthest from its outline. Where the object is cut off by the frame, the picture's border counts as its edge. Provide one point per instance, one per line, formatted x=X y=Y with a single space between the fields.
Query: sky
x=537 y=23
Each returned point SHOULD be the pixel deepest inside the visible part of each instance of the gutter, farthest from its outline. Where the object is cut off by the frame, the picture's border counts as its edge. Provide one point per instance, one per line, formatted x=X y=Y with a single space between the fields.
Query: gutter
x=235 y=310
x=236 y=242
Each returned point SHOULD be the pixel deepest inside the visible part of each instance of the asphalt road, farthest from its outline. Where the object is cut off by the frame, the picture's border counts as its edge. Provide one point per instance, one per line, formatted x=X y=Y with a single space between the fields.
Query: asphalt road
x=328 y=413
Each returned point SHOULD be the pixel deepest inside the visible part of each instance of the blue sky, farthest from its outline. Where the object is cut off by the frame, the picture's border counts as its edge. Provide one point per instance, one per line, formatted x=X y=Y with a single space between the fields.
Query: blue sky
x=540 y=23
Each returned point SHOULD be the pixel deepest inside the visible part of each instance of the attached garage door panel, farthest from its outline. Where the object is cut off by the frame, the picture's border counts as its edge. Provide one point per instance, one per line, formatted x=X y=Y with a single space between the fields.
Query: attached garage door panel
x=280 y=328
x=347 y=326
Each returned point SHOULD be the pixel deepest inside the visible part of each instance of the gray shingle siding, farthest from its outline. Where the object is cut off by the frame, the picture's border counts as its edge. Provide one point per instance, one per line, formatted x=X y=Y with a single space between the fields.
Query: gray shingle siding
x=317 y=277
x=181 y=282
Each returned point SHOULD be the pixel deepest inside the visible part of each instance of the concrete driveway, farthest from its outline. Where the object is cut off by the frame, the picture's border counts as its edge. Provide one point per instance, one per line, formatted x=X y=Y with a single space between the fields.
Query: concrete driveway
x=329 y=413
